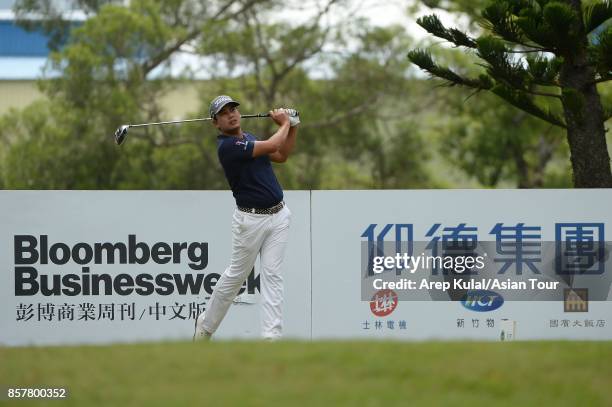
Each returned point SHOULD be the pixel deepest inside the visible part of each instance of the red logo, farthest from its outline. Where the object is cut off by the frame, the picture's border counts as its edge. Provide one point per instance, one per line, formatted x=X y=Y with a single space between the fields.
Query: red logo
x=383 y=303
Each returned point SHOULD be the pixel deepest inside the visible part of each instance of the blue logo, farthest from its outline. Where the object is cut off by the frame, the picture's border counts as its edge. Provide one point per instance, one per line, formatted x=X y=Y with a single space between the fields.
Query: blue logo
x=482 y=301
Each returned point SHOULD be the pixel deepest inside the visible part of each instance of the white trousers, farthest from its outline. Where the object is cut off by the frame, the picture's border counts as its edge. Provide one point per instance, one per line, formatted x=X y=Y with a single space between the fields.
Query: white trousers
x=254 y=234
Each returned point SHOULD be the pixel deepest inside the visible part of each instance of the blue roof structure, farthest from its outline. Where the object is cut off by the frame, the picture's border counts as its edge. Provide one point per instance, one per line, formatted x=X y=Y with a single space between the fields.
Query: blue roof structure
x=23 y=53
x=17 y=42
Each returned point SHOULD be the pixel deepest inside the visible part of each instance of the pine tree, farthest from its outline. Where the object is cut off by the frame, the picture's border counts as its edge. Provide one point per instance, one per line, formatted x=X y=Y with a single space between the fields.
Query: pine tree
x=546 y=58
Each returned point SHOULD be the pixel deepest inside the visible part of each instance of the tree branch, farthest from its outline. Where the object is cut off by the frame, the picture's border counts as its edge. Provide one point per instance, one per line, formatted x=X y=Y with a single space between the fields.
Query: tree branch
x=527 y=51
x=434 y=26
x=264 y=49
x=550 y=95
x=533 y=47
x=279 y=73
x=344 y=115
x=156 y=60
x=518 y=99
x=423 y=60
x=258 y=79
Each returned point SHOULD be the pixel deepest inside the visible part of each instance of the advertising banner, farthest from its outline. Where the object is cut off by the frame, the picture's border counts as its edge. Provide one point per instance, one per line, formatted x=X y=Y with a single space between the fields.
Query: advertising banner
x=461 y=264
x=113 y=266
x=127 y=266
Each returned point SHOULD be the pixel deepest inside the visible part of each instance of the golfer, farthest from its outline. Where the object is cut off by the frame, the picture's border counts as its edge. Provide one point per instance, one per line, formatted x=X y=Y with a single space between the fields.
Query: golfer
x=260 y=224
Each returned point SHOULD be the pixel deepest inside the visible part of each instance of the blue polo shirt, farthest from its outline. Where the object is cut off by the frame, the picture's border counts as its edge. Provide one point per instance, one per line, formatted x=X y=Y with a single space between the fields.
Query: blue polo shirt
x=252 y=180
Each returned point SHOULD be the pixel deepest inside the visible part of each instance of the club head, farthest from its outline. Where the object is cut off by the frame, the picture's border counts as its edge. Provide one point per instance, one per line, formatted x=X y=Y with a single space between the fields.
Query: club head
x=121 y=134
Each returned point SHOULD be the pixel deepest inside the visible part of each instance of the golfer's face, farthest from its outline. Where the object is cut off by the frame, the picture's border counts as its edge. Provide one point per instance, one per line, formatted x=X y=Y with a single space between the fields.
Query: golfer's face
x=228 y=118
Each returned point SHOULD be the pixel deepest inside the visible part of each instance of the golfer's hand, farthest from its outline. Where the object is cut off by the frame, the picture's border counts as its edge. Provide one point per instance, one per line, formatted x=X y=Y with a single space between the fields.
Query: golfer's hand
x=294 y=117
x=279 y=116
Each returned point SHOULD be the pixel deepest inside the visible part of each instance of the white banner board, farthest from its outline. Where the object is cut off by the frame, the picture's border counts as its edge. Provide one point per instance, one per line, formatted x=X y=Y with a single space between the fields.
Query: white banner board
x=343 y=220
x=110 y=266
x=126 y=266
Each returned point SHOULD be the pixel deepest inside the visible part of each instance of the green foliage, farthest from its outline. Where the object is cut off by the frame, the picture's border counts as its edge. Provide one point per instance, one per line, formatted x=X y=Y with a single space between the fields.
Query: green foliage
x=499 y=66
x=601 y=53
x=542 y=70
x=53 y=24
x=341 y=129
x=366 y=124
x=596 y=14
x=102 y=82
x=105 y=80
x=498 y=18
x=540 y=59
x=50 y=146
x=560 y=17
x=500 y=146
x=424 y=60
x=435 y=26
x=524 y=102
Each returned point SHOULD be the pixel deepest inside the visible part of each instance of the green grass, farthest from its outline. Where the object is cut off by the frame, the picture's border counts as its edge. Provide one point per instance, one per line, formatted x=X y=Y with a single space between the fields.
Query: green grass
x=318 y=373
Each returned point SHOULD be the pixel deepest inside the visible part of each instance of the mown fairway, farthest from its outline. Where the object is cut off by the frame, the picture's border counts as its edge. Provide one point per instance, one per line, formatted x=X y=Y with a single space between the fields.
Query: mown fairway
x=318 y=373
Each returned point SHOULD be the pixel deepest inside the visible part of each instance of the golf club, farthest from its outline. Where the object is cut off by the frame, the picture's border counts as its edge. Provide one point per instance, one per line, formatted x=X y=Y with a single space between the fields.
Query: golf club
x=121 y=132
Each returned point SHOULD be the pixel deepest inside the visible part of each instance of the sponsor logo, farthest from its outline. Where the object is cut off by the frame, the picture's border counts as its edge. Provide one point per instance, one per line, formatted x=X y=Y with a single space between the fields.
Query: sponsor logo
x=576 y=300
x=242 y=144
x=36 y=259
x=383 y=303
x=482 y=300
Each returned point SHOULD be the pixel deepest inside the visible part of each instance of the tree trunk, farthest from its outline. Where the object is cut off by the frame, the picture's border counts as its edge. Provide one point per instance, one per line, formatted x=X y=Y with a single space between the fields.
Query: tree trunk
x=586 y=136
x=585 y=120
x=545 y=152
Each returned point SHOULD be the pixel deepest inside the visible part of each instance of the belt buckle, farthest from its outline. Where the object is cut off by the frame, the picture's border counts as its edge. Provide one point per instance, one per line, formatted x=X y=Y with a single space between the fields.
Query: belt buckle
x=252 y=210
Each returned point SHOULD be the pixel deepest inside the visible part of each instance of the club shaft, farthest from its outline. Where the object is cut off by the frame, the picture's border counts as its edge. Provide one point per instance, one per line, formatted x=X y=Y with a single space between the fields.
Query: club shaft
x=246 y=116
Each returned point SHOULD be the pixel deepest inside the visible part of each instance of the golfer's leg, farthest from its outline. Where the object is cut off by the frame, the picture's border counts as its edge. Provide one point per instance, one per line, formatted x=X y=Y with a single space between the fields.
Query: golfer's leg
x=272 y=257
x=246 y=242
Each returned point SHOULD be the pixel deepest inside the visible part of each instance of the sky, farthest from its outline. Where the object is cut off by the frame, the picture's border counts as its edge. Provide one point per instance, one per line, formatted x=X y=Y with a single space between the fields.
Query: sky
x=379 y=13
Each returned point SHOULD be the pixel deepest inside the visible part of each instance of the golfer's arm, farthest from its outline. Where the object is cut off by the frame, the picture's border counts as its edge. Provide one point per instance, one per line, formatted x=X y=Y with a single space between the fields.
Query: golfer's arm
x=274 y=143
x=283 y=153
